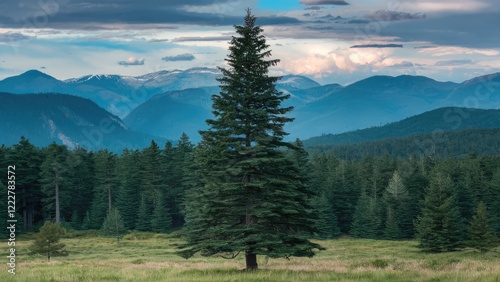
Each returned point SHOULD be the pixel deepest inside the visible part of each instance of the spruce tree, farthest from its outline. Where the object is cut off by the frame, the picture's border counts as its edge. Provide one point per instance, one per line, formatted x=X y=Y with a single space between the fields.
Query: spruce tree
x=395 y=197
x=439 y=227
x=143 y=222
x=113 y=225
x=128 y=198
x=480 y=233
x=161 y=221
x=28 y=160
x=326 y=222
x=494 y=207
x=366 y=220
x=105 y=186
x=47 y=241
x=252 y=200
x=54 y=178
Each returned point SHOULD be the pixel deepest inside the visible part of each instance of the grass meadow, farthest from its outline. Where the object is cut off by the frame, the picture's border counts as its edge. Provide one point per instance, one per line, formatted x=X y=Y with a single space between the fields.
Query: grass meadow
x=150 y=257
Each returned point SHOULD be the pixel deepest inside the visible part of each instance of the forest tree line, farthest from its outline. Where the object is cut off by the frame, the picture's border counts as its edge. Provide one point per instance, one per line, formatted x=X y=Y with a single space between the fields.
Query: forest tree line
x=373 y=197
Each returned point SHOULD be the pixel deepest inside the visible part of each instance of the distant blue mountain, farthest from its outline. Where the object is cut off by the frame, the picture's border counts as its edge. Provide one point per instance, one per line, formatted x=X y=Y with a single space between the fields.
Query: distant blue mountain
x=65 y=119
x=167 y=103
x=435 y=121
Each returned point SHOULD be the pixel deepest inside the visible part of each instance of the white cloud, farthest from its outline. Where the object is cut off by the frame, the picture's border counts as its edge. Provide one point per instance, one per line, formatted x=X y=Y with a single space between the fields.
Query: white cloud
x=132 y=61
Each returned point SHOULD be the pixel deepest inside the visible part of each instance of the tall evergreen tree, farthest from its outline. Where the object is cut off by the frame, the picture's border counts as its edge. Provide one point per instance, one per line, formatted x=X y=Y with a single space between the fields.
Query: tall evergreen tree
x=81 y=183
x=480 y=233
x=128 y=198
x=252 y=200
x=326 y=223
x=366 y=219
x=27 y=159
x=439 y=226
x=397 y=215
x=161 y=221
x=105 y=188
x=54 y=178
x=144 y=215
x=494 y=208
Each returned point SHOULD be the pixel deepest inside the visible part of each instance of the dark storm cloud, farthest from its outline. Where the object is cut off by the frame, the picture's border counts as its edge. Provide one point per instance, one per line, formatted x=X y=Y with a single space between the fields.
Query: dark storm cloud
x=378 y=46
x=313 y=8
x=385 y=15
x=181 y=57
x=404 y=64
x=324 y=2
x=473 y=30
x=201 y=38
x=356 y=21
x=451 y=63
x=95 y=14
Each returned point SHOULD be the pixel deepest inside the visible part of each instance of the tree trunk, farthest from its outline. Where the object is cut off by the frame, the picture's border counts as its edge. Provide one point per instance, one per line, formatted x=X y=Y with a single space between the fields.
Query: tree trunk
x=58 y=211
x=251 y=261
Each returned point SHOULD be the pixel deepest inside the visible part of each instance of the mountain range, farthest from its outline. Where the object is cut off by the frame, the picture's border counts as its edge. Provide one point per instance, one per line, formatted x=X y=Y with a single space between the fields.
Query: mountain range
x=435 y=121
x=167 y=103
x=65 y=119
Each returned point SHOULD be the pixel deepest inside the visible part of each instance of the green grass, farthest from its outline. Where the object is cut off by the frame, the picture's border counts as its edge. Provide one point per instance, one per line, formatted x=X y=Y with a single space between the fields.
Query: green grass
x=150 y=257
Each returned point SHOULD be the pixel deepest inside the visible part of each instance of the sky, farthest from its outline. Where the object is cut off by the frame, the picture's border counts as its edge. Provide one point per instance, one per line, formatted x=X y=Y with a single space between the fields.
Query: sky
x=330 y=41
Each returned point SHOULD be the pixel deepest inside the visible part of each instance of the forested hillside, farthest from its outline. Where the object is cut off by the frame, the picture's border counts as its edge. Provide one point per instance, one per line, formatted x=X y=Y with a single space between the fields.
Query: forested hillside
x=456 y=143
x=355 y=197
x=435 y=121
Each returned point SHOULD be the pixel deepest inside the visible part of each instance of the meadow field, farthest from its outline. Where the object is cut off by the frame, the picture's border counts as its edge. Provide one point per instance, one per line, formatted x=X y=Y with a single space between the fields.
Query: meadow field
x=150 y=257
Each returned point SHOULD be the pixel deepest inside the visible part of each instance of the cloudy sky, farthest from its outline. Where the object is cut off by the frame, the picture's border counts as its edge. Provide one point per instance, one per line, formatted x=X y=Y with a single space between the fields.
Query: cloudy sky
x=331 y=41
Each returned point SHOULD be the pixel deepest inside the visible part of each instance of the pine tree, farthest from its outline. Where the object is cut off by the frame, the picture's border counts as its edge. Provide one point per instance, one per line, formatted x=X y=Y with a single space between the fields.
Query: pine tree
x=395 y=197
x=128 y=198
x=47 y=241
x=105 y=186
x=80 y=184
x=27 y=159
x=113 y=225
x=480 y=233
x=326 y=224
x=494 y=207
x=252 y=200
x=366 y=220
x=161 y=221
x=144 y=215
x=439 y=227
x=54 y=173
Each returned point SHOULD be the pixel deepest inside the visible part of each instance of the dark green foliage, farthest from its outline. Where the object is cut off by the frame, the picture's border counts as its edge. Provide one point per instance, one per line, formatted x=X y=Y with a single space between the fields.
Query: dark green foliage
x=439 y=226
x=495 y=202
x=47 y=241
x=425 y=123
x=143 y=222
x=27 y=160
x=366 y=219
x=113 y=225
x=253 y=199
x=480 y=233
x=456 y=143
x=397 y=213
x=128 y=198
x=105 y=188
x=161 y=221
x=326 y=223
x=55 y=181
x=182 y=178
x=81 y=182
